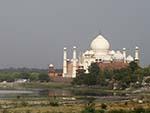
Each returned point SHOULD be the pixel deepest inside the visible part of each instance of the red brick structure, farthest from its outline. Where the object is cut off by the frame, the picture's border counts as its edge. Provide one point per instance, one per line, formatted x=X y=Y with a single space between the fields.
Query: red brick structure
x=113 y=65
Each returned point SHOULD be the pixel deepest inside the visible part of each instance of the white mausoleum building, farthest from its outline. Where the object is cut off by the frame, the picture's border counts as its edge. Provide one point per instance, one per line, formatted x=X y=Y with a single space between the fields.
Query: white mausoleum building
x=100 y=52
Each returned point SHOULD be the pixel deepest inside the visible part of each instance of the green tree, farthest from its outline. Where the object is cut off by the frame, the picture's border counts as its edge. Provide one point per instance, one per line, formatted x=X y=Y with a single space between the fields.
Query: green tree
x=92 y=78
x=25 y=75
x=139 y=73
x=90 y=106
x=133 y=66
x=16 y=75
x=108 y=74
x=34 y=76
x=94 y=69
x=79 y=80
x=95 y=74
x=43 y=77
x=146 y=71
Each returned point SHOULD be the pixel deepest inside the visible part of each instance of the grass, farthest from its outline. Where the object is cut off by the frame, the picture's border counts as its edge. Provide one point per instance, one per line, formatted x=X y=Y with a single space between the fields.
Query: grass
x=34 y=85
x=44 y=106
x=45 y=85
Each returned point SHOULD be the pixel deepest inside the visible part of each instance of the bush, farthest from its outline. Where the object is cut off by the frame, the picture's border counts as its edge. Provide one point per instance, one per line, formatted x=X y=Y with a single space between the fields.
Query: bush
x=53 y=102
x=103 y=106
x=28 y=111
x=89 y=108
x=5 y=111
x=101 y=111
x=139 y=109
x=118 y=111
x=24 y=103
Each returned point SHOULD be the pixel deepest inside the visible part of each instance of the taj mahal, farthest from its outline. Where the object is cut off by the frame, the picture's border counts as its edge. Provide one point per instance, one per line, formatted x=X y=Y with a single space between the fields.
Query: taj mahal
x=100 y=52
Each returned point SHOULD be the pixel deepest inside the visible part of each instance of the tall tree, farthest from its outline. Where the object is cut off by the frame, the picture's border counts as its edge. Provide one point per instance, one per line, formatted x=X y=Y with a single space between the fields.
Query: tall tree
x=93 y=77
x=133 y=66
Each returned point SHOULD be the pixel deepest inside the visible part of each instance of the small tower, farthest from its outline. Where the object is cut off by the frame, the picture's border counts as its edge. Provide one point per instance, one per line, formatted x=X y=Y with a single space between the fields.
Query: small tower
x=51 y=71
x=51 y=66
x=74 y=63
x=137 y=52
x=124 y=55
x=65 y=62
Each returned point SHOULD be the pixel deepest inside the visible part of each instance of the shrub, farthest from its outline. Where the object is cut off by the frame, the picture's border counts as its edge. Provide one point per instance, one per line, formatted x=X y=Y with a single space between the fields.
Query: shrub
x=139 y=109
x=24 y=103
x=89 y=108
x=100 y=111
x=118 y=111
x=28 y=111
x=53 y=102
x=5 y=111
x=126 y=103
x=103 y=106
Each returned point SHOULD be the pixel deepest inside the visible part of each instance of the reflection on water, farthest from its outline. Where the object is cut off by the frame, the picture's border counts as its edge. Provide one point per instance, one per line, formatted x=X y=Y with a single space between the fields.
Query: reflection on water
x=56 y=92
x=91 y=93
x=14 y=93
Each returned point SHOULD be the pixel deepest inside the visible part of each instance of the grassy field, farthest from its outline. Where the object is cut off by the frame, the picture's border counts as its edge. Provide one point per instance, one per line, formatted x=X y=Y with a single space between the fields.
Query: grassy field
x=49 y=106
x=34 y=85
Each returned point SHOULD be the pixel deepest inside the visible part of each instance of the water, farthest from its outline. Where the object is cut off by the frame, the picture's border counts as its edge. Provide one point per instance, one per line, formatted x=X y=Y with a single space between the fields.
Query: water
x=15 y=93
x=6 y=94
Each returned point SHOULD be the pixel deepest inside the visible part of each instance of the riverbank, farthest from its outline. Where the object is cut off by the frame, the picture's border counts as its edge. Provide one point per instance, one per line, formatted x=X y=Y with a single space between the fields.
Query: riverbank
x=66 y=89
x=51 y=97
x=35 y=85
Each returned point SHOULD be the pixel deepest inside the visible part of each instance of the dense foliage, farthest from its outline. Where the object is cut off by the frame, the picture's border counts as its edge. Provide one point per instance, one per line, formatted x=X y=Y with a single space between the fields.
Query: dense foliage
x=91 y=78
x=132 y=75
x=11 y=75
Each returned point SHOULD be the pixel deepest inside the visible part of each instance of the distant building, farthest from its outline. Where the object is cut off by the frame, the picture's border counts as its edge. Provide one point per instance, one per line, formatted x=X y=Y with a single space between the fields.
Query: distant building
x=56 y=76
x=100 y=53
x=52 y=72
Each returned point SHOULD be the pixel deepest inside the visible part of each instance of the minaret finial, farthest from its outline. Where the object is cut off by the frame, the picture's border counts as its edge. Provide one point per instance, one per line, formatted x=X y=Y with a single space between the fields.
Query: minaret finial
x=100 y=32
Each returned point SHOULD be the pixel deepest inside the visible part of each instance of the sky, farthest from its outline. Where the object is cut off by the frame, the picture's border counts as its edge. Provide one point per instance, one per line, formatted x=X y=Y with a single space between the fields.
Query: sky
x=34 y=32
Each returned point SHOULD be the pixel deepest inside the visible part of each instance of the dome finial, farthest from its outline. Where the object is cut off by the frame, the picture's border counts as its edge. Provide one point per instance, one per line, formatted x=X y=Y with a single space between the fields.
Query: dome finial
x=100 y=32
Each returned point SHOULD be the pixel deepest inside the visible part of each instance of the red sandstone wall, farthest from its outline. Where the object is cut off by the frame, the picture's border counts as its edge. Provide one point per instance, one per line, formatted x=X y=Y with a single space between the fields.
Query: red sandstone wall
x=113 y=65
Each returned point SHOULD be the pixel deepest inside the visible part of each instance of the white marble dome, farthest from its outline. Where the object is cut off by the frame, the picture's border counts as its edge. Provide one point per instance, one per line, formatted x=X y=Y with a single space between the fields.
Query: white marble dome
x=51 y=65
x=130 y=58
x=118 y=55
x=100 y=43
x=112 y=52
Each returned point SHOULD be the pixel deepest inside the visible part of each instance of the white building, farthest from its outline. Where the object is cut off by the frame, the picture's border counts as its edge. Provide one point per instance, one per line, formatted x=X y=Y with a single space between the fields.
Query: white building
x=100 y=52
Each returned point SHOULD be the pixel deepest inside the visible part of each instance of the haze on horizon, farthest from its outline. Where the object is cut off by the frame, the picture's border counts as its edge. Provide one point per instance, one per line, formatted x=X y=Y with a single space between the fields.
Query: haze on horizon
x=34 y=32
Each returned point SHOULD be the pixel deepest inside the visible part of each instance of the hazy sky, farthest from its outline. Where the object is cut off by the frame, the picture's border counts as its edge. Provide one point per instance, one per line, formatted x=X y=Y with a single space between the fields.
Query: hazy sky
x=34 y=32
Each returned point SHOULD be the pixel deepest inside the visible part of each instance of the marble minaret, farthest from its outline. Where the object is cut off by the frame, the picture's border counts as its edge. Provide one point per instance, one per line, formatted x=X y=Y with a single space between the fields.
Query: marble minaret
x=74 y=62
x=124 y=55
x=137 y=56
x=65 y=63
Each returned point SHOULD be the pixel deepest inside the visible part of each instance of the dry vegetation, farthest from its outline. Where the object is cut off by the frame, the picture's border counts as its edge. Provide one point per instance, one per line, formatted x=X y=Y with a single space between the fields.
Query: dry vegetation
x=53 y=106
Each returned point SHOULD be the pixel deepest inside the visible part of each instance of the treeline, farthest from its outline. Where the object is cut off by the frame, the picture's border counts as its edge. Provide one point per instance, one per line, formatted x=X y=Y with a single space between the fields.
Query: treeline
x=12 y=74
x=123 y=78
